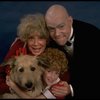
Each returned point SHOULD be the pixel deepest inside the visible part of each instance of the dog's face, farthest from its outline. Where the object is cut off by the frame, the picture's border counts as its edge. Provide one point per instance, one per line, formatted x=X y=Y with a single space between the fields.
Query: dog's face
x=26 y=72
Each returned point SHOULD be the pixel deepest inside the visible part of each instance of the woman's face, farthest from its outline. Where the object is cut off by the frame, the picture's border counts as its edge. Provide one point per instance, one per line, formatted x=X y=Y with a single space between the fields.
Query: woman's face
x=36 y=44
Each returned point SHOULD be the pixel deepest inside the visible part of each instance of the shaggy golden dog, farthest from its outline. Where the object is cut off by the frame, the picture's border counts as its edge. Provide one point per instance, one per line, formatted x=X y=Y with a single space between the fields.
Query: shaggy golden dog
x=26 y=72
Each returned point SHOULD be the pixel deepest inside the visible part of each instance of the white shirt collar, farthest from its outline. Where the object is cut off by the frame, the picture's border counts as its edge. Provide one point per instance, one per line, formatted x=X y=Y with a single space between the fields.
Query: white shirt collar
x=71 y=33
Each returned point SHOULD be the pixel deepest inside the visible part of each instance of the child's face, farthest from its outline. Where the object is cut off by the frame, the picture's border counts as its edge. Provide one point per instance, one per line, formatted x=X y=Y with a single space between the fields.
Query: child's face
x=50 y=76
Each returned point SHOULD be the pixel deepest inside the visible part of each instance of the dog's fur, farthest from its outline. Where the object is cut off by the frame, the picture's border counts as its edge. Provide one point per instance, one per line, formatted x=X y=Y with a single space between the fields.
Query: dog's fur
x=26 y=72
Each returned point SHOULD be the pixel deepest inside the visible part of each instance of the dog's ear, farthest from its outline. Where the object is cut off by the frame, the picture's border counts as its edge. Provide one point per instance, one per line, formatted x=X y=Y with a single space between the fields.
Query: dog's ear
x=10 y=62
x=44 y=62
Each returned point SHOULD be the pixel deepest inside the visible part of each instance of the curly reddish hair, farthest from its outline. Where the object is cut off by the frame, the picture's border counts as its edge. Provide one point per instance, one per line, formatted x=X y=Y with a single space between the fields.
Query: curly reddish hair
x=57 y=59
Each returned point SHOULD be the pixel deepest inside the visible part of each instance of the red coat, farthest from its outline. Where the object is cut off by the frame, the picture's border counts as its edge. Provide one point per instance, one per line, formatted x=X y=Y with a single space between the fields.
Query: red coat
x=17 y=45
x=12 y=52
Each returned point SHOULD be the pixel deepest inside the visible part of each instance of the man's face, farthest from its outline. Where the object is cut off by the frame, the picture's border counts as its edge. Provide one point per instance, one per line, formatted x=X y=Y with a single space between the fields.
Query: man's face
x=60 y=29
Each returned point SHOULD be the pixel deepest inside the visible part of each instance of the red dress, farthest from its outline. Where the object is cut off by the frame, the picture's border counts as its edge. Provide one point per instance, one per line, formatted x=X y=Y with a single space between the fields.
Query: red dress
x=17 y=45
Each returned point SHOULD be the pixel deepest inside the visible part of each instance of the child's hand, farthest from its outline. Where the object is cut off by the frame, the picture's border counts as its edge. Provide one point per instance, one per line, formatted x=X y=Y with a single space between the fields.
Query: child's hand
x=60 y=90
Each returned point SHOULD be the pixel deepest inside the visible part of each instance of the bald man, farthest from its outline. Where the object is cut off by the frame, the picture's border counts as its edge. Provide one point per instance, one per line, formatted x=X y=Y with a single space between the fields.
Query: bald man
x=77 y=39
x=59 y=24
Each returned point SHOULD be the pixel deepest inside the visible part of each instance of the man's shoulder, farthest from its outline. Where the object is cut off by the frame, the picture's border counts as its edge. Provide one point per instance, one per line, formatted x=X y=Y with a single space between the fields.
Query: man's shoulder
x=83 y=24
x=82 y=29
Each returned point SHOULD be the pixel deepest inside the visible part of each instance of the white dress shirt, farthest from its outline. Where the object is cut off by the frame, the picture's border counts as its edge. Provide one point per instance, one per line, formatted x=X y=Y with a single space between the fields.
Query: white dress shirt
x=70 y=48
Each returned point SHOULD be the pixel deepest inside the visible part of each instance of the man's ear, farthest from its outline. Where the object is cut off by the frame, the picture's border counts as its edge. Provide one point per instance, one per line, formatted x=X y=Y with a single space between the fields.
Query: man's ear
x=44 y=62
x=70 y=19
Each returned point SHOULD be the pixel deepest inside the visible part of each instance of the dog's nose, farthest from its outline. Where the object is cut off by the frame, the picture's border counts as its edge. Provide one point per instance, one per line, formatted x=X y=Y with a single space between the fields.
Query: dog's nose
x=28 y=84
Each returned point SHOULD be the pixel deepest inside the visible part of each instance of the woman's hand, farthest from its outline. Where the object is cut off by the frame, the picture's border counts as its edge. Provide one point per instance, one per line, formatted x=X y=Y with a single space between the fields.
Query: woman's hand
x=61 y=90
x=10 y=83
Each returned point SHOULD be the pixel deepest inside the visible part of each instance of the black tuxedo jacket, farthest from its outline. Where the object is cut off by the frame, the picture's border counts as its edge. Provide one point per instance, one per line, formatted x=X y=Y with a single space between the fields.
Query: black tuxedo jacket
x=85 y=63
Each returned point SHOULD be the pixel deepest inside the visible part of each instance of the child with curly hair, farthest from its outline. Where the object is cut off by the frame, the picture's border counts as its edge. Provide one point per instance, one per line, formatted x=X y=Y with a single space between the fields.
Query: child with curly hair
x=58 y=64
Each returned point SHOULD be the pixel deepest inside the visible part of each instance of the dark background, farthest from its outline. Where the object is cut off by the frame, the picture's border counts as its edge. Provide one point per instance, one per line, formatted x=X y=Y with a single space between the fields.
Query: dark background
x=12 y=11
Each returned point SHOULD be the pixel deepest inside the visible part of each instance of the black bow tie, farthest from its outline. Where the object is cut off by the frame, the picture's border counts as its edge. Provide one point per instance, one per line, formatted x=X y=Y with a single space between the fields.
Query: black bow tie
x=68 y=43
